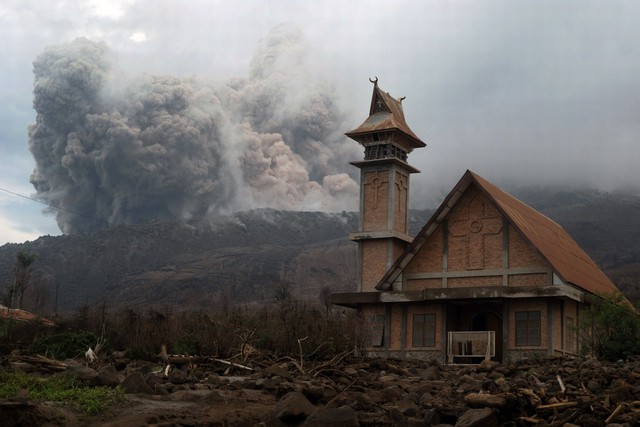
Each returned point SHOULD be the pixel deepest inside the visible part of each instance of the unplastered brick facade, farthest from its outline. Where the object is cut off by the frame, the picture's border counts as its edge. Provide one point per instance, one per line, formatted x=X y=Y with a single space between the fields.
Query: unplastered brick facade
x=472 y=243
x=487 y=276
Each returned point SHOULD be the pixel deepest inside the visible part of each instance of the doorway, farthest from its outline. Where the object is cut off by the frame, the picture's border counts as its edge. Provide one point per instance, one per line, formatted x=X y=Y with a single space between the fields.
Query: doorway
x=489 y=321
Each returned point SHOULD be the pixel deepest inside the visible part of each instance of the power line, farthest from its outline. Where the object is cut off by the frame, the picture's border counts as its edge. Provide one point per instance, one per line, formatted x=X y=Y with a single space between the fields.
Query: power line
x=74 y=212
x=54 y=206
x=161 y=237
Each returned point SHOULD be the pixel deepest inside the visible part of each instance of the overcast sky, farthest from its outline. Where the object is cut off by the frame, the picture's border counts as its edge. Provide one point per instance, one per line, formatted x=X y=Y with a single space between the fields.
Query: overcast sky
x=521 y=92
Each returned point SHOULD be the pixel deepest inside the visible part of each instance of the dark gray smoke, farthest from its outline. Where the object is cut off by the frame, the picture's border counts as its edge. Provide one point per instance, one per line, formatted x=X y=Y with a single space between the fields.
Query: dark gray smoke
x=133 y=150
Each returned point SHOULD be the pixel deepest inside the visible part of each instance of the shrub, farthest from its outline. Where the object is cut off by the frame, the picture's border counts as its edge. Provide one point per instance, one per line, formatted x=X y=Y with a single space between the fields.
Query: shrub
x=610 y=328
x=60 y=389
x=64 y=345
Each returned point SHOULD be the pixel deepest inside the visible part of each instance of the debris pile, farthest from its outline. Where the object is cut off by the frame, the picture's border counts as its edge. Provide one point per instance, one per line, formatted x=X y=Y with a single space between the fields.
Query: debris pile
x=366 y=392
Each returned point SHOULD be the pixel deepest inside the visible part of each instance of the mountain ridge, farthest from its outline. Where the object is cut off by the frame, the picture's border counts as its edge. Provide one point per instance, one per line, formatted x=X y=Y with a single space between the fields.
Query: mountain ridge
x=245 y=257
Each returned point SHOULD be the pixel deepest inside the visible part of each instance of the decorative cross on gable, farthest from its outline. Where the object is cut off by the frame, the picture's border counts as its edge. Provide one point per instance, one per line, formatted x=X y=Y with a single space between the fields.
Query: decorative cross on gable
x=477 y=223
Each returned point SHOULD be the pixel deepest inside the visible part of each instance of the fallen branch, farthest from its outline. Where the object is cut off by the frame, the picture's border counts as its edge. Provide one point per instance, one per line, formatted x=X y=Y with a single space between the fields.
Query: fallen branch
x=564 y=420
x=301 y=358
x=40 y=362
x=183 y=360
x=331 y=363
x=530 y=420
x=557 y=405
x=232 y=364
x=561 y=384
x=614 y=414
x=339 y=394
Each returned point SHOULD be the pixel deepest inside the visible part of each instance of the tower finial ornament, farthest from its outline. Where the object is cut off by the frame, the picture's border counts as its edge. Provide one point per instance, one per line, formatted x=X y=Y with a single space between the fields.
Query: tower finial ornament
x=375 y=82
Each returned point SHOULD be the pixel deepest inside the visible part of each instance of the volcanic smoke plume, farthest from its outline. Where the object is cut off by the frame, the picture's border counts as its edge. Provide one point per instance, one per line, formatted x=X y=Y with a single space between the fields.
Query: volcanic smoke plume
x=157 y=147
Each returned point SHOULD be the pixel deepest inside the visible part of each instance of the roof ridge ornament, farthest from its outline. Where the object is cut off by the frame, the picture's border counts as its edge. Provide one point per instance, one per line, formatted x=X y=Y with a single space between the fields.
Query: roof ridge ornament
x=402 y=98
x=375 y=82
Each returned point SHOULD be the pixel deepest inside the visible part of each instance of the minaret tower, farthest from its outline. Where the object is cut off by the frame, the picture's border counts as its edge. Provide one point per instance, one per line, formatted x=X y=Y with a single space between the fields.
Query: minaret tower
x=384 y=186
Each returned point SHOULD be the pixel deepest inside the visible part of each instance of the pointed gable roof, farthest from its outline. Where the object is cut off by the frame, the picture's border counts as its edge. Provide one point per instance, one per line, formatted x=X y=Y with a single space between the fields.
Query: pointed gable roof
x=570 y=262
x=385 y=113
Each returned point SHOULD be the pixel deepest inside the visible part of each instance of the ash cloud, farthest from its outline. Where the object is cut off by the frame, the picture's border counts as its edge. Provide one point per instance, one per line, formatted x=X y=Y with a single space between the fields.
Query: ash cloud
x=131 y=150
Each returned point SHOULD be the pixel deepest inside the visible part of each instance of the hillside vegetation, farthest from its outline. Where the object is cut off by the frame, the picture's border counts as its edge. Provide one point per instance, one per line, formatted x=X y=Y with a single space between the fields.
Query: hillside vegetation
x=245 y=257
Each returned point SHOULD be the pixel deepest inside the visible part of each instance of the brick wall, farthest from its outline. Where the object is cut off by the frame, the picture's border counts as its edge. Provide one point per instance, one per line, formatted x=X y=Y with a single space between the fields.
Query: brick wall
x=395 y=339
x=429 y=259
x=400 y=201
x=374 y=263
x=467 y=282
x=398 y=247
x=419 y=284
x=557 y=324
x=521 y=254
x=475 y=233
x=376 y=199
x=534 y=279
x=475 y=242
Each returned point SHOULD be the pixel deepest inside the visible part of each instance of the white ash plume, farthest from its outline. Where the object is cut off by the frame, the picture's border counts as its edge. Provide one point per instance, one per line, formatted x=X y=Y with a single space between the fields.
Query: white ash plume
x=158 y=147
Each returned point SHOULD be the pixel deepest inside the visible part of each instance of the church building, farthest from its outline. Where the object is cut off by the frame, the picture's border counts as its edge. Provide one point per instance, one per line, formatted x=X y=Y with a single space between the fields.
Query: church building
x=487 y=277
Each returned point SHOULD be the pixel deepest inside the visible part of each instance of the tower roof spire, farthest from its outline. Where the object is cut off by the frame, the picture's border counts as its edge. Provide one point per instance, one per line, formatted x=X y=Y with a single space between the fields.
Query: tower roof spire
x=385 y=114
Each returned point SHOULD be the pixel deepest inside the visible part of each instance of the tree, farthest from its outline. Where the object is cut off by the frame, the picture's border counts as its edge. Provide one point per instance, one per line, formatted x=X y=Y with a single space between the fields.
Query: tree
x=325 y=299
x=22 y=275
x=610 y=328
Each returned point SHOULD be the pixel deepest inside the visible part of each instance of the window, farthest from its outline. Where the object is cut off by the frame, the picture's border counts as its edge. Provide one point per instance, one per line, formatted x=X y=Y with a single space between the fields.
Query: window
x=424 y=330
x=528 y=328
x=570 y=333
x=377 y=330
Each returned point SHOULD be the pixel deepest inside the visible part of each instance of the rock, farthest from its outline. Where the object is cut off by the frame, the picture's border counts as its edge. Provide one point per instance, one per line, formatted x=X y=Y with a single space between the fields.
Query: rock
x=414 y=397
x=343 y=416
x=293 y=407
x=477 y=417
x=276 y=371
x=391 y=394
x=487 y=400
x=108 y=376
x=83 y=373
x=271 y=383
x=178 y=376
x=314 y=393
x=432 y=373
x=488 y=365
x=135 y=383
x=467 y=379
x=213 y=379
x=593 y=386
x=407 y=407
x=388 y=379
x=154 y=380
x=120 y=364
x=431 y=417
x=250 y=384
x=160 y=390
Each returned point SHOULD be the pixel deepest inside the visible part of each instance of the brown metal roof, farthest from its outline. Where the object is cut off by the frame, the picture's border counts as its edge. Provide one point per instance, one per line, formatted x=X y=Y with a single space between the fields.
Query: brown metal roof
x=385 y=113
x=570 y=262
